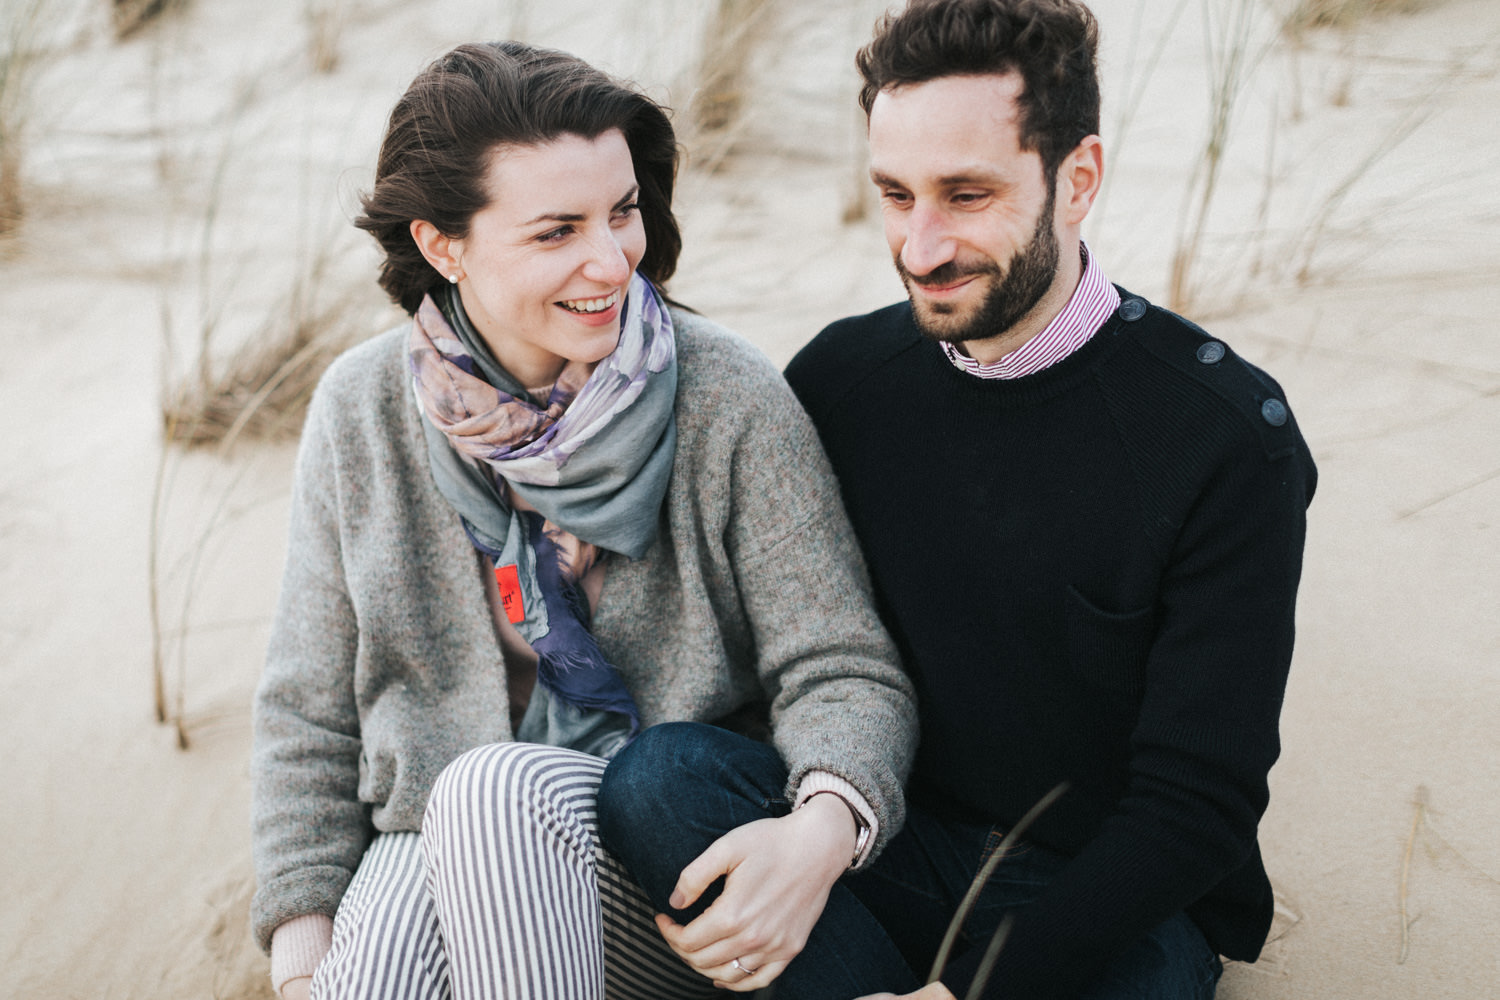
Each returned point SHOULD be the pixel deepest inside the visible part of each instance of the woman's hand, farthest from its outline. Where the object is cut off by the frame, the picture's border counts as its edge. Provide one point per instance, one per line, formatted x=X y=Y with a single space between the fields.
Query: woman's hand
x=778 y=874
x=297 y=989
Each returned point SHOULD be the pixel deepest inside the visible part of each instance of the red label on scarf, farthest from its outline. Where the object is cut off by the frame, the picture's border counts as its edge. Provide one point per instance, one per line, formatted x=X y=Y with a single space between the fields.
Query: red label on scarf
x=510 y=593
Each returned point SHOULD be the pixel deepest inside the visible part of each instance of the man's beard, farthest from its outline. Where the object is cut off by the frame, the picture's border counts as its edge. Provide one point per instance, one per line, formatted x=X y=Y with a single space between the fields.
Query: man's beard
x=1011 y=296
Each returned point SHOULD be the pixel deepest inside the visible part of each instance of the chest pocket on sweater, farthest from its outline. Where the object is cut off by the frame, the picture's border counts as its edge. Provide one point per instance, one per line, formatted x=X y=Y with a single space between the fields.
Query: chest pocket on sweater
x=1108 y=649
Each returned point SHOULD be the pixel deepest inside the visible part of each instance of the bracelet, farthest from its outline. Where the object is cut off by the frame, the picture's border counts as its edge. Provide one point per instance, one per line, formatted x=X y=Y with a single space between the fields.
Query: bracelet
x=862 y=829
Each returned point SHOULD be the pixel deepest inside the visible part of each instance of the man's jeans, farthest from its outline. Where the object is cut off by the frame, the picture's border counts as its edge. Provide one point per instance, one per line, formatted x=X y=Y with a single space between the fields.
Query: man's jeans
x=680 y=786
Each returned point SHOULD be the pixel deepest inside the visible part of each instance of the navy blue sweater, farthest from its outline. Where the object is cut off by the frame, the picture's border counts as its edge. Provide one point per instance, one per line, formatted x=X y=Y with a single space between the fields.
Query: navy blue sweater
x=1091 y=573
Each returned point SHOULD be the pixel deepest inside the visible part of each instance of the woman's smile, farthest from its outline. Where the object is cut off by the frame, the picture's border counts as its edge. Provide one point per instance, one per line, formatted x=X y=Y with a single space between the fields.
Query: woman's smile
x=601 y=310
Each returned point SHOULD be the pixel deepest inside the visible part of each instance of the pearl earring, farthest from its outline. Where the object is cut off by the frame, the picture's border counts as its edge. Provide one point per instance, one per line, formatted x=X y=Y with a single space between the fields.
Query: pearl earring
x=453 y=278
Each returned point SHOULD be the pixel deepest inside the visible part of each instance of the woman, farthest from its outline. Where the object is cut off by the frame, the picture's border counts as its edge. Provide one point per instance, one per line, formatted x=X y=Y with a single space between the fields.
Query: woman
x=549 y=512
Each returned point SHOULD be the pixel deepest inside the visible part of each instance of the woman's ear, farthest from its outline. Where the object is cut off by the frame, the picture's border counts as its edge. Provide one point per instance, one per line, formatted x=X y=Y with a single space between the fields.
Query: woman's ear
x=444 y=253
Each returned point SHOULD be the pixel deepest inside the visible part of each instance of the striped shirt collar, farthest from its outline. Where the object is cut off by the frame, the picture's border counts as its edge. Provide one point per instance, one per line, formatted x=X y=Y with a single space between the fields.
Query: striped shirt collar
x=1093 y=301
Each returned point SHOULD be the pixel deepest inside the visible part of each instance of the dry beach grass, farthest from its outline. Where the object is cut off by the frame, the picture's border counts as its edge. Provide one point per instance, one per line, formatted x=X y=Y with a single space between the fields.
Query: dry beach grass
x=184 y=263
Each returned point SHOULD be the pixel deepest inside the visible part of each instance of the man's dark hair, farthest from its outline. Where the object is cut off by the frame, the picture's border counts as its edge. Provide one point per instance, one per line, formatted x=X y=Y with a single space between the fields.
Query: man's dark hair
x=443 y=130
x=1052 y=44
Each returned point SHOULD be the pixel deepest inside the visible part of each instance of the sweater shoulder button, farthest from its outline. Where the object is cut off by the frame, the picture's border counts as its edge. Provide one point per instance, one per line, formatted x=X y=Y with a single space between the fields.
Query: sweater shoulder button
x=1273 y=412
x=1132 y=309
x=1211 y=353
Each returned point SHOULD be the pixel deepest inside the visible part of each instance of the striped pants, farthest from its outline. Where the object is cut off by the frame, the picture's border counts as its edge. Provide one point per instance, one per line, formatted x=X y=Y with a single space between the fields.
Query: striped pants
x=506 y=893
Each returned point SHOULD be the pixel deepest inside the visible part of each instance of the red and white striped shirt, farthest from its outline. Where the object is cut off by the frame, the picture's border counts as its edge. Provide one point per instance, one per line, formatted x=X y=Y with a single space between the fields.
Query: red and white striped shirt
x=1093 y=301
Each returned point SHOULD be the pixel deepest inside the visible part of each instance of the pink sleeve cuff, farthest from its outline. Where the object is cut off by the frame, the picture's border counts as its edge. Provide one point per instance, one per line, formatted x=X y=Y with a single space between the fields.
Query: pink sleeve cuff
x=817 y=782
x=297 y=947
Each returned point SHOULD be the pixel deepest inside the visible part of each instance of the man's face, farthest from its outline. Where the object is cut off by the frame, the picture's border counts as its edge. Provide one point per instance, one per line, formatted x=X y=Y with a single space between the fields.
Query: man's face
x=969 y=215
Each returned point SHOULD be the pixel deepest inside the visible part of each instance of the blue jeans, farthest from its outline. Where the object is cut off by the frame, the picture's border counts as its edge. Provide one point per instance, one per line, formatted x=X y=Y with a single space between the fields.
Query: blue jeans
x=916 y=884
x=680 y=786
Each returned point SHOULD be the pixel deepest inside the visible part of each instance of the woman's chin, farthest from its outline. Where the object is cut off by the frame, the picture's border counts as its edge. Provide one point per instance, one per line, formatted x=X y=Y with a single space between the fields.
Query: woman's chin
x=595 y=347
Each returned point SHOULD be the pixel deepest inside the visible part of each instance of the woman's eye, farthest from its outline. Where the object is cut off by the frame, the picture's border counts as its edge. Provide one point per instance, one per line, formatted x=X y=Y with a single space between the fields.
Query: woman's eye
x=553 y=235
x=626 y=211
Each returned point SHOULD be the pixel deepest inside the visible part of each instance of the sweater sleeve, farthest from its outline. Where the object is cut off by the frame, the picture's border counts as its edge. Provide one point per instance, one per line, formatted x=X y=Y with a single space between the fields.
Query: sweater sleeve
x=309 y=828
x=1205 y=740
x=840 y=702
x=297 y=948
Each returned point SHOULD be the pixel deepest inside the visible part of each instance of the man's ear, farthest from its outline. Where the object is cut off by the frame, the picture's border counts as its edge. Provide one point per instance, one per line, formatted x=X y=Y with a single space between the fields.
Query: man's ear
x=1079 y=178
x=444 y=253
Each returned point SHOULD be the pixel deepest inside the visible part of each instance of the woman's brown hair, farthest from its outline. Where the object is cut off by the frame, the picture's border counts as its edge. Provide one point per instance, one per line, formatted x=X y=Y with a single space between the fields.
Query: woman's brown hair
x=478 y=97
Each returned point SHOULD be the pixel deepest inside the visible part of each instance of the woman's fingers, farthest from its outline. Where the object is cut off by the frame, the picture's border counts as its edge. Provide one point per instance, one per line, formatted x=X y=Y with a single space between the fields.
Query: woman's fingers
x=709 y=946
x=719 y=859
x=747 y=976
x=778 y=875
x=717 y=960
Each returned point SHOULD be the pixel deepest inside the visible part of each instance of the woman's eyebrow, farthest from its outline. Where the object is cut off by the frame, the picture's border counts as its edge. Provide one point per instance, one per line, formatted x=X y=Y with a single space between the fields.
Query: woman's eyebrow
x=579 y=216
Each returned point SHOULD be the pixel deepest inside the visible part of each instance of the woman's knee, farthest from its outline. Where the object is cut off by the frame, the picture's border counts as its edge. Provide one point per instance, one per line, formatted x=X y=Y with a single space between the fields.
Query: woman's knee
x=676 y=761
x=489 y=776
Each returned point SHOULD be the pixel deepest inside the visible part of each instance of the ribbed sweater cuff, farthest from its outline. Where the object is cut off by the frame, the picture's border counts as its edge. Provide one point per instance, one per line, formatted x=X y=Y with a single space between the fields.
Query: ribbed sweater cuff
x=297 y=947
x=815 y=782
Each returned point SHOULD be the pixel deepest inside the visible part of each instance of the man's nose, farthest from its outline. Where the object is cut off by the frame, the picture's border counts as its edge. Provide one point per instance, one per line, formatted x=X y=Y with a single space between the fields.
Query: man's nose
x=929 y=242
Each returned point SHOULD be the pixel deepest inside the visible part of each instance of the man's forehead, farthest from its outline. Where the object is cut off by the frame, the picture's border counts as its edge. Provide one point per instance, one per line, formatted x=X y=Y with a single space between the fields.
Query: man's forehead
x=993 y=96
x=951 y=126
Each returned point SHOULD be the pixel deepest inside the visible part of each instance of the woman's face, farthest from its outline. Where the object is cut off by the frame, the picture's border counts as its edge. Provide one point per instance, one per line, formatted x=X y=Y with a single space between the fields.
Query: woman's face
x=546 y=264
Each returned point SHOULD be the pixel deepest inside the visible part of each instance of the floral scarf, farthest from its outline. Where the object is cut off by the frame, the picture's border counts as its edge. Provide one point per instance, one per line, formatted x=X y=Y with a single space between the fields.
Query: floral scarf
x=594 y=463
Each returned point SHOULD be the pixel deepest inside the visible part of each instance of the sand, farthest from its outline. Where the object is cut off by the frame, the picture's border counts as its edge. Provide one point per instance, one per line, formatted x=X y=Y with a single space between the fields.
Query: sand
x=198 y=168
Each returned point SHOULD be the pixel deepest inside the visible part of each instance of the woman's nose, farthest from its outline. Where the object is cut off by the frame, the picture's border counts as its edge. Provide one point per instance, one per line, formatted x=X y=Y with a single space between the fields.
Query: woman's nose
x=607 y=263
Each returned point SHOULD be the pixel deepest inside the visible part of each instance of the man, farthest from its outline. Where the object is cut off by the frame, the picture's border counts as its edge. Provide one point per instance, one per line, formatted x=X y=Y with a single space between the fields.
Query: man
x=1084 y=520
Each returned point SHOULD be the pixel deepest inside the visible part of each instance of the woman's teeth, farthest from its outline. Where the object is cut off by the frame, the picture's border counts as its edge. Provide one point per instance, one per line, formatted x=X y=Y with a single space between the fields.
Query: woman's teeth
x=590 y=305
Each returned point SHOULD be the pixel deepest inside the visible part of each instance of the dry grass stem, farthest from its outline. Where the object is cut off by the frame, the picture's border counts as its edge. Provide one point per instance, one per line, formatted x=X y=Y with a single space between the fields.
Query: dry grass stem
x=262 y=391
x=991 y=956
x=130 y=16
x=1418 y=111
x=325 y=24
x=1305 y=14
x=188 y=569
x=1420 y=811
x=1133 y=88
x=981 y=878
x=1232 y=56
x=258 y=390
x=717 y=106
x=19 y=60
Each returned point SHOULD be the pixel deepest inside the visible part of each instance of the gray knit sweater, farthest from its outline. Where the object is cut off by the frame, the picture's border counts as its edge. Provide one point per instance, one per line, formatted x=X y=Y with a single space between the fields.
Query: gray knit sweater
x=384 y=665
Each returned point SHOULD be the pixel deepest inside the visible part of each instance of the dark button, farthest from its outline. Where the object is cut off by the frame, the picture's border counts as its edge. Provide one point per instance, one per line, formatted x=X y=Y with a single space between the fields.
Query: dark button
x=1211 y=353
x=1273 y=411
x=1132 y=309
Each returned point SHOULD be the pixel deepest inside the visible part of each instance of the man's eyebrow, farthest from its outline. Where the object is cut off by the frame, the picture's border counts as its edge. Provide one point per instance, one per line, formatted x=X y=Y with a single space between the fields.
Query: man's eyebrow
x=972 y=177
x=579 y=217
x=975 y=176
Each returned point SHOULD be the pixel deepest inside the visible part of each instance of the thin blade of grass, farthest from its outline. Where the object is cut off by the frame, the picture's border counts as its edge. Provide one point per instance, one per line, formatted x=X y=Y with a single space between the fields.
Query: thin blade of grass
x=1420 y=805
x=991 y=956
x=983 y=876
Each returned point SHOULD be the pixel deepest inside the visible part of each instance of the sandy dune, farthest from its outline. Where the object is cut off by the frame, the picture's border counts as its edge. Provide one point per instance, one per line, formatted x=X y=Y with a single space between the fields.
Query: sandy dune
x=196 y=170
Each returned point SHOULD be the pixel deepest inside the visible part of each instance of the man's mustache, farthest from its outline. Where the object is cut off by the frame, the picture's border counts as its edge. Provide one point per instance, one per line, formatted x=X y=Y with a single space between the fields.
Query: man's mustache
x=947 y=274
